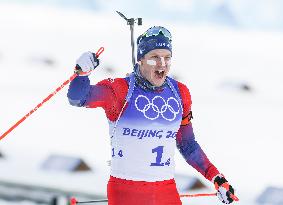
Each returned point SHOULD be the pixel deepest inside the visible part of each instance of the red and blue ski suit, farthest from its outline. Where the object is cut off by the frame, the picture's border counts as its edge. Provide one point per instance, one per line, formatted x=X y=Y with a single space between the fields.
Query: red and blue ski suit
x=150 y=118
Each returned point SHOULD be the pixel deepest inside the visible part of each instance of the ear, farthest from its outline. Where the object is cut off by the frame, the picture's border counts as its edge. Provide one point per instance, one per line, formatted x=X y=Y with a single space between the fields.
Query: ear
x=139 y=62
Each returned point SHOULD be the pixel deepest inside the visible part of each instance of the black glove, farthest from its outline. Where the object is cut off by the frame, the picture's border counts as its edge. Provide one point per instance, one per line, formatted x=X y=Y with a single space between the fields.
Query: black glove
x=225 y=191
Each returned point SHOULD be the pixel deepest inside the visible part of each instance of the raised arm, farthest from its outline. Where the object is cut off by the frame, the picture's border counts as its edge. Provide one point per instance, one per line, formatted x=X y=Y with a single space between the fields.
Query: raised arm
x=79 y=88
x=109 y=94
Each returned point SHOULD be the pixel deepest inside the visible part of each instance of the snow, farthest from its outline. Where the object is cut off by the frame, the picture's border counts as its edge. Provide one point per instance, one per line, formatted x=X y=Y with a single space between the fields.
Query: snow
x=16 y=203
x=239 y=130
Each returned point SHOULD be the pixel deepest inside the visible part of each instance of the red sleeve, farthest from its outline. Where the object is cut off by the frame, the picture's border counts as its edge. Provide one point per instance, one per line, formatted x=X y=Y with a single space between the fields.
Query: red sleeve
x=109 y=94
x=187 y=103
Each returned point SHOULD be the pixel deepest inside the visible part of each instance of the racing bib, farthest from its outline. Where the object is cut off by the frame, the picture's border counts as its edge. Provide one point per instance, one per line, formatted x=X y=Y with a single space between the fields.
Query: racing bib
x=144 y=142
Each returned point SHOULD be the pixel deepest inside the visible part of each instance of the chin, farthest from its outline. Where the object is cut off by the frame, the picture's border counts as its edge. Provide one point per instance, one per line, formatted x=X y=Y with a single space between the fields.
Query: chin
x=158 y=84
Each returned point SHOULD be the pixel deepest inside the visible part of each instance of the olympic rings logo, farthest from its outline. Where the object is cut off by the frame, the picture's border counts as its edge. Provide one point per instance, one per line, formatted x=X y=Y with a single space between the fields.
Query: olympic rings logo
x=152 y=109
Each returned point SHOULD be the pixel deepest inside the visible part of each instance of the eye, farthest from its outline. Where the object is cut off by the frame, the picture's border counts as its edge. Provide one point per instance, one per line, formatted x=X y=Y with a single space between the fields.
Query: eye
x=168 y=58
x=154 y=57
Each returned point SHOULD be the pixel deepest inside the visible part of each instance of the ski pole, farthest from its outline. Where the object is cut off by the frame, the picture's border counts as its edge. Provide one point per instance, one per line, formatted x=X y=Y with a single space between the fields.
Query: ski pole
x=46 y=99
x=73 y=201
x=197 y=195
x=235 y=198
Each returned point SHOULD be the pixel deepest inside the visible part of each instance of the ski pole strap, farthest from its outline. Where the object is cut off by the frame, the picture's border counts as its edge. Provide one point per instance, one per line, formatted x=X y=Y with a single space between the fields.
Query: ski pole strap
x=100 y=50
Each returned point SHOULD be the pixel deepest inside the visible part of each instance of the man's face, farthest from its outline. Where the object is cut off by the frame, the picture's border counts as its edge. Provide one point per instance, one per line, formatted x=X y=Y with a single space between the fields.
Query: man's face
x=155 y=65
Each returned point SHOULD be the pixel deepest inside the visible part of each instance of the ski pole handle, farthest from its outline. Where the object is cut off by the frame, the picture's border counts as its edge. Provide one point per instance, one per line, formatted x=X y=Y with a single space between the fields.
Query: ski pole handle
x=78 y=69
x=97 y=54
x=45 y=99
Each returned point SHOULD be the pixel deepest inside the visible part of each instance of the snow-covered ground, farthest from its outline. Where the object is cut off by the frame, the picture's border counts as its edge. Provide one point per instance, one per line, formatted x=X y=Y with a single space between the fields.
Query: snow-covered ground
x=240 y=130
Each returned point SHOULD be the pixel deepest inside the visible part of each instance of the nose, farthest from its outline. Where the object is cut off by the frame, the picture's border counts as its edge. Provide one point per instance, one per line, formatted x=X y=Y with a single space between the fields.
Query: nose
x=161 y=60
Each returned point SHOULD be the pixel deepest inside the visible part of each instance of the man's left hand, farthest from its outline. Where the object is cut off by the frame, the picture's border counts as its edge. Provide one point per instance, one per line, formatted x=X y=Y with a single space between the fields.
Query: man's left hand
x=225 y=191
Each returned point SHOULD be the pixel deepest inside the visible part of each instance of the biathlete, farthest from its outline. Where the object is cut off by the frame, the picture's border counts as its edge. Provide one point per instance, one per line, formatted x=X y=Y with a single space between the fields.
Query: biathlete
x=149 y=115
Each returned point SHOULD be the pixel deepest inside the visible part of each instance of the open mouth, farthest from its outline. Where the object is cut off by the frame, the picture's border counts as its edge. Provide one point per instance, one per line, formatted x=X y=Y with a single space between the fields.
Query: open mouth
x=159 y=73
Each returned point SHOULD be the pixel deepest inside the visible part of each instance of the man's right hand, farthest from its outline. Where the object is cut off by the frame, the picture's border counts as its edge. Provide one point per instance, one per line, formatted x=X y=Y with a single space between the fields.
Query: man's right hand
x=86 y=63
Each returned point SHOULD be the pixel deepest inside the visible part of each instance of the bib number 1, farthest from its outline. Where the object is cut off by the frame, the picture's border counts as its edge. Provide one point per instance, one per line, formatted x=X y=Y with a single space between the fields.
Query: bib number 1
x=159 y=152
